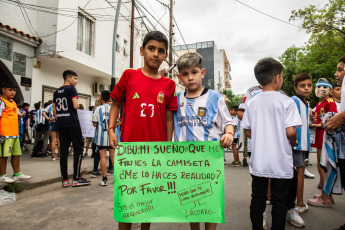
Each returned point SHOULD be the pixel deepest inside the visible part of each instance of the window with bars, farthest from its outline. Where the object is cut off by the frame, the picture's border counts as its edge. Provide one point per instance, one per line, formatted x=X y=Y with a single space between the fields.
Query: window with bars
x=86 y=34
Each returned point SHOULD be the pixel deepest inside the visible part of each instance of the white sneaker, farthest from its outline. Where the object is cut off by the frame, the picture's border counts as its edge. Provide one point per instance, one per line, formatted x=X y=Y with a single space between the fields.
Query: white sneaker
x=264 y=223
x=103 y=183
x=301 y=210
x=308 y=174
x=294 y=218
x=6 y=179
x=21 y=177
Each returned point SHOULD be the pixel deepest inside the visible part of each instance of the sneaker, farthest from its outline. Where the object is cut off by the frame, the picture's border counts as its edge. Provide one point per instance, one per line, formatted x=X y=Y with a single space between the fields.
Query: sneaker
x=308 y=174
x=96 y=174
x=319 y=196
x=300 y=209
x=21 y=177
x=110 y=172
x=264 y=223
x=65 y=184
x=235 y=164
x=53 y=159
x=294 y=218
x=318 y=202
x=85 y=154
x=245 y=164
x=6 y=179
x=268 y=201
x=225 y=161
x=80 y=182
x=103 y=183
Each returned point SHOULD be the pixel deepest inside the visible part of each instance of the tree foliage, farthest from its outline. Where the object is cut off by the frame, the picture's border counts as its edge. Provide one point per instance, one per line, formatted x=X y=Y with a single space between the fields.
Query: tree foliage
x=326 y=44
x=233 y=98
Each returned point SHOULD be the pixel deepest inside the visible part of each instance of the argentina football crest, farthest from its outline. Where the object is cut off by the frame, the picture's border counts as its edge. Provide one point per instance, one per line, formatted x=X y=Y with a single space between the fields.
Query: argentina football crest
x=201 y=111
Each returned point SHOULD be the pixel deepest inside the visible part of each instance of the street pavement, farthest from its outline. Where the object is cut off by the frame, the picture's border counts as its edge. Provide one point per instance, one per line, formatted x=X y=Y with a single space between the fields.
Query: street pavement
x=45 y=205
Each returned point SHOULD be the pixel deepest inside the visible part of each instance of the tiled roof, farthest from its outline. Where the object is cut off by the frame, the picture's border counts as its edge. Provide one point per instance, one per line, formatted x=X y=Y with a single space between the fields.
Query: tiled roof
x=20 y=32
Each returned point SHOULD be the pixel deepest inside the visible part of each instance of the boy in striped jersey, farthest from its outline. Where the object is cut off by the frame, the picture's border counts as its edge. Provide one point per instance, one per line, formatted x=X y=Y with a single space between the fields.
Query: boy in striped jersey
x=233 y=114
x=54 y=132
x=202 y=113
x=42 y=127
x=9 y=135
x=100 y=120
x=303 y=85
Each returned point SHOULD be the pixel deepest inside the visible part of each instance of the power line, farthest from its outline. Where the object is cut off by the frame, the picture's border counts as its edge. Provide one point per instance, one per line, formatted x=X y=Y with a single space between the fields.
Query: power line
x=267 y=14
x=66 y=26
x=181 y=34
x=33 y=29
x=67 y=12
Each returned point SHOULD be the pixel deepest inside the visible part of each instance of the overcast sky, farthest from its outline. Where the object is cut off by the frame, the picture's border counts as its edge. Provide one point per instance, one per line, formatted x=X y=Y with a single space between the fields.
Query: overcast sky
x=245 y=35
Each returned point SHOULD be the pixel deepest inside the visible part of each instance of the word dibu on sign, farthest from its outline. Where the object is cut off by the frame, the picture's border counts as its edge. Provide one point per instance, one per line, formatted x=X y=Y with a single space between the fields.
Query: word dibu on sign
x=169 y=182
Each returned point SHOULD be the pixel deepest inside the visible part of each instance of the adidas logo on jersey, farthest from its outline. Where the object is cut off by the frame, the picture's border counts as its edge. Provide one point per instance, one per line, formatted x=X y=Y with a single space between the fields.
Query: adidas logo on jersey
x=136 y=95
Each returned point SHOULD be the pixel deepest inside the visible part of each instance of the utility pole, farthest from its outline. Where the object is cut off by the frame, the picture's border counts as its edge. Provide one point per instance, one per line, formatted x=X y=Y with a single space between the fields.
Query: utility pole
x=132 y=37
x=171 y=33
x=113 y=79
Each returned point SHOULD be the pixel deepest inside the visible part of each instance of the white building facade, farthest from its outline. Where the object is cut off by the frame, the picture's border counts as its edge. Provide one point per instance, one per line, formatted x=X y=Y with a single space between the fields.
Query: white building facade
x=75 y=35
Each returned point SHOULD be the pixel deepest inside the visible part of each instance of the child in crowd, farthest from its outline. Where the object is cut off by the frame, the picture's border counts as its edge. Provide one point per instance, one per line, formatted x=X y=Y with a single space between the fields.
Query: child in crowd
x=336 y=95
x=21 y=124
x=42 y=130
x=149 y=100
x=26 y=117
x=53 y=129
x=32 y=117
x=214 y=110
x=278 y=116
x=339 y=119
x=100 y=120
x=233 y=113
x=303 y=85
x=325 y=105
x=65 y=110
x=9 y=135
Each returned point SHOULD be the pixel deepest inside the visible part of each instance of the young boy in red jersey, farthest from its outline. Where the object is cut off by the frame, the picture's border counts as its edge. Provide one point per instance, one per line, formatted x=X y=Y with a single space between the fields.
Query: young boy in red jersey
x=149 y=100
x=9 y=134
x=325 y=105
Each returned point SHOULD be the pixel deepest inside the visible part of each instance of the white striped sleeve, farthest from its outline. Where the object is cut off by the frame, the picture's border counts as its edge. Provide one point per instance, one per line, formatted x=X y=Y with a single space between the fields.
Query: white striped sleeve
x=223 y=118
x=2 y=106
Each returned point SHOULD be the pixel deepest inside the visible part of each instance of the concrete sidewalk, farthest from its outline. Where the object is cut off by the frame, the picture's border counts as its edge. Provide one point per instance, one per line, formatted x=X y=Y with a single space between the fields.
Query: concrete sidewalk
x=45 y=171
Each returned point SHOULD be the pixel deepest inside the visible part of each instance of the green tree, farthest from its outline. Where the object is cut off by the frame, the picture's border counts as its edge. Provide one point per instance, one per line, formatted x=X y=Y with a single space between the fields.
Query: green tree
x=233 y=98
x=326 y=44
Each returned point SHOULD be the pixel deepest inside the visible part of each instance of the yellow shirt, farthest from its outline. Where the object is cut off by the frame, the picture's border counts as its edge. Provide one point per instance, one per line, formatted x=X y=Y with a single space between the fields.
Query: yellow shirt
x=9 y=119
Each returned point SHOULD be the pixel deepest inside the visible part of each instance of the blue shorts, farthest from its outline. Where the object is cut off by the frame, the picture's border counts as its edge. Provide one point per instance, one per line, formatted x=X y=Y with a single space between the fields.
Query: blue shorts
x=53 y=127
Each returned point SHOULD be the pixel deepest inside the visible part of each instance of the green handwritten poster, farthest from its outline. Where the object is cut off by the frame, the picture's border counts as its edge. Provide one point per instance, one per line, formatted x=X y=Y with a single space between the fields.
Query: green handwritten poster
x=169 y=182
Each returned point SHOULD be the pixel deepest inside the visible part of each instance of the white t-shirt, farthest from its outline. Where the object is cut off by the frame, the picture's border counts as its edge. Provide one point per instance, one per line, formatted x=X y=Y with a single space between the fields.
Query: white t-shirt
x=267 y=116
x=342 y=101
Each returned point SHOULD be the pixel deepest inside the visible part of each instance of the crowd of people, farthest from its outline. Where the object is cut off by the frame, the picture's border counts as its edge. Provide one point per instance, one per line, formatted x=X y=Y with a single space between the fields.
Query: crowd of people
x=279 y=130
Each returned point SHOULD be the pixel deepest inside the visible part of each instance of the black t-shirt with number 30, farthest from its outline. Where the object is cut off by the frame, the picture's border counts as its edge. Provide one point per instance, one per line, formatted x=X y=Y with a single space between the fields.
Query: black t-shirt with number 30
x=67 y=116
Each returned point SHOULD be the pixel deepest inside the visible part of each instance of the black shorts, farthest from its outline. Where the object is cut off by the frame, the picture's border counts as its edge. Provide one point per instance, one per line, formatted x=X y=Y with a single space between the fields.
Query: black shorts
x=235 y=141
x=104 y=147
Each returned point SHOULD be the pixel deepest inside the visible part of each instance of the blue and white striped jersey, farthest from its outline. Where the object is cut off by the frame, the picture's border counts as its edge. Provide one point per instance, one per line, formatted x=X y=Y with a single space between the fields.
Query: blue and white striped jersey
x=303 y=135
x=49 y=111
x=39 y=118
x=101 y=116
x=238 y=129
x=201 y=118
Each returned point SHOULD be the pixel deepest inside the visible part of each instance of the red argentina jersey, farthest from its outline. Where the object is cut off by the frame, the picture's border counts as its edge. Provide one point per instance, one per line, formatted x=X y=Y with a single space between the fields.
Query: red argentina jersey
x=146 y=102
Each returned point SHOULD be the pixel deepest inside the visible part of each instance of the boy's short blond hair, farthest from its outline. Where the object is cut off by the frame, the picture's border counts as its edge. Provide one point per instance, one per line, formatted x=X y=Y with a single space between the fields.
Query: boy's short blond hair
x=189 y=60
